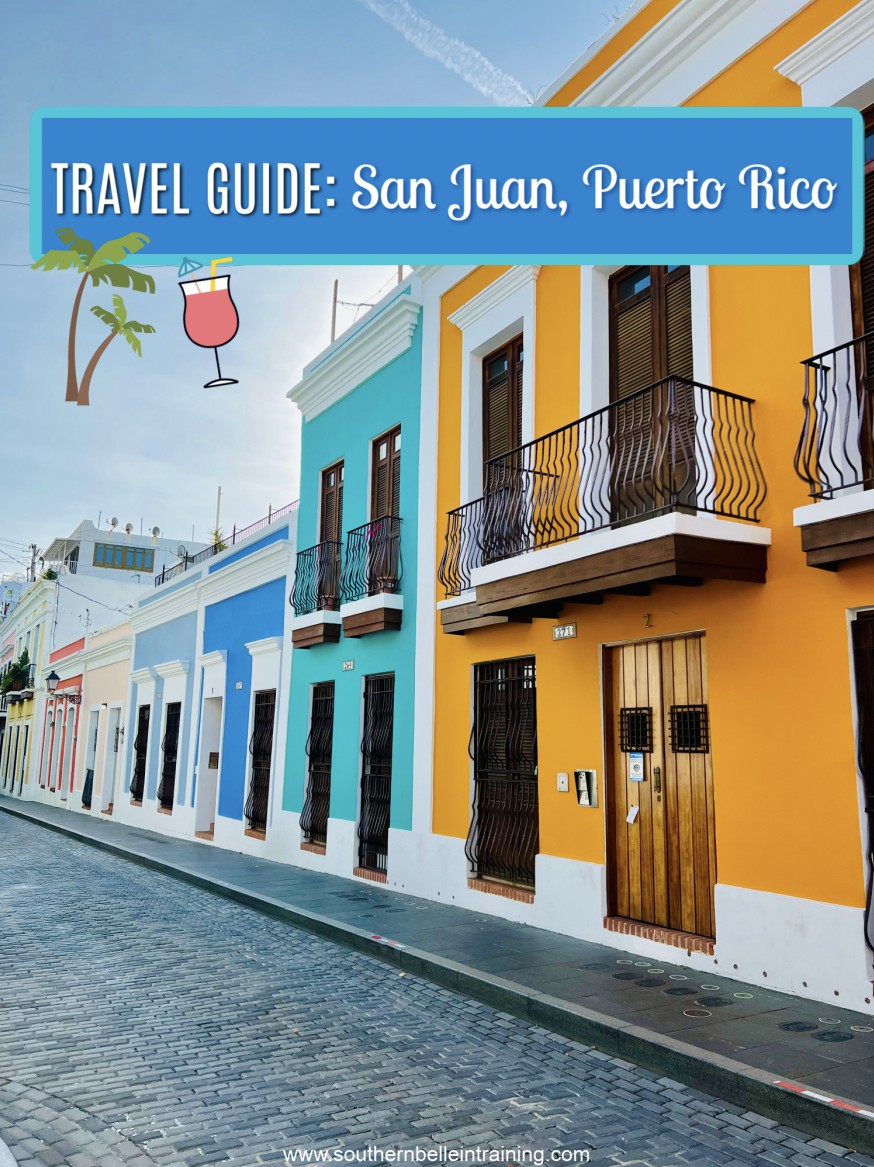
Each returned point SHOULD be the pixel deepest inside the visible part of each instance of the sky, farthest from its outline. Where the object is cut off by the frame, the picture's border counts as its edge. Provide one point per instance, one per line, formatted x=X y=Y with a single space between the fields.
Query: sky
x=154 y=445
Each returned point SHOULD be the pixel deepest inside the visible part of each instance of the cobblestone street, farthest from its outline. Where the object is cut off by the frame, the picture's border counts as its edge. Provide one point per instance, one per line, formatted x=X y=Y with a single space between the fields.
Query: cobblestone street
x=146 y=1022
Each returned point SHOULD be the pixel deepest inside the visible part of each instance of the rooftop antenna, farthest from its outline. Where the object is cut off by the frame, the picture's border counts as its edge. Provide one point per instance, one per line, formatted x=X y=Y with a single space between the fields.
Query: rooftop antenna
x=334 y=312
x=400 y=273
x=218 y=508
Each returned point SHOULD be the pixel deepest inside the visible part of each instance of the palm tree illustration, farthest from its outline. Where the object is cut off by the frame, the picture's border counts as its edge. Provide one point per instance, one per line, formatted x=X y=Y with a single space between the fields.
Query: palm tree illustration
x=118 y=325
x=100 y=265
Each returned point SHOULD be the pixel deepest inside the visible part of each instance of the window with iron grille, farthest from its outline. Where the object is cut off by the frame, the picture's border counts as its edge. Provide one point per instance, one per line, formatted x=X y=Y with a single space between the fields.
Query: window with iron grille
x=261 y=750
x=170 y=753
x=690 y=729
x=319 y=748
x=635 y=729
x=141 y=747
x=376 y=757
x=504 y=835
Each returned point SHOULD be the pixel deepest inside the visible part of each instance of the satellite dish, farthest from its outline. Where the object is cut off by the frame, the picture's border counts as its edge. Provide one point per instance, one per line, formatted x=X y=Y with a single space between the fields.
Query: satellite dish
x=113 y=522
x=128 y=528
x=181 y=550
x=156 y=531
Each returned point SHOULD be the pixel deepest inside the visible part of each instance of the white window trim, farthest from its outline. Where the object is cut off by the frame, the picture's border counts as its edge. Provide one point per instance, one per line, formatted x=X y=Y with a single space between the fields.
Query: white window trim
x=501 y=311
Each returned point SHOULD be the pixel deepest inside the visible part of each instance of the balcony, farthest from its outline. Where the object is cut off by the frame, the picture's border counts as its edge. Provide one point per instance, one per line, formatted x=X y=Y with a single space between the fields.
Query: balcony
x=634 y=494
x=236 y=535
x=371 y=578
x=316 y=595
x=835 y=454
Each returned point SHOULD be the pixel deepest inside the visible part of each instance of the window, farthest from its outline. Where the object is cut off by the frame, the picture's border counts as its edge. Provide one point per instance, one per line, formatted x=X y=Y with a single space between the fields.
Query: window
x=331 y=530
x=261 y=751
x=385 y=490
x=690 y=729
x=650 y=327
x=635 y=729
x=376 y=770
x=502 y=400
x=504 y=837
x=319 y=748
x=116 y=555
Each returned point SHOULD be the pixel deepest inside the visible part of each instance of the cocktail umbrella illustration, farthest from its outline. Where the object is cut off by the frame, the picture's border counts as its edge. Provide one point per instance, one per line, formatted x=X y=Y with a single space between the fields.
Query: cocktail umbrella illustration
x=210 y=318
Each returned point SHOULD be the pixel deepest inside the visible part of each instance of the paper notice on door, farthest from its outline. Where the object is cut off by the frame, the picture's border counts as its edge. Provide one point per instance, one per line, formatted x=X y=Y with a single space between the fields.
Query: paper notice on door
x=632 y=814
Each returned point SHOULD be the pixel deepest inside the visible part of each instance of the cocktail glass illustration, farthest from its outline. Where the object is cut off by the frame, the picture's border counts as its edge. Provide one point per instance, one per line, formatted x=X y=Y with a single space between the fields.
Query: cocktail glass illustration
x=211 y=318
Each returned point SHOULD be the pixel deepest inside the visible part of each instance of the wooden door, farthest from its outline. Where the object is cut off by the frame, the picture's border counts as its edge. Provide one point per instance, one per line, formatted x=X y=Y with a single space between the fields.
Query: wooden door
x=662 y=864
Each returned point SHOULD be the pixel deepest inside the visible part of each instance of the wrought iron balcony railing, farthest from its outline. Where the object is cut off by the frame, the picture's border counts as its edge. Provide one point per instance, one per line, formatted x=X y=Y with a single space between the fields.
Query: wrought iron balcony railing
x=674 y=446
x=317 y=579
x=836 y=448
x=372 y=562
x=236 y=535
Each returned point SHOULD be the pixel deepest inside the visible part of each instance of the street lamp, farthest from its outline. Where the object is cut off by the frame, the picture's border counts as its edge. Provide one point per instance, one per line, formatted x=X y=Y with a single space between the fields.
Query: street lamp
x=52 y=681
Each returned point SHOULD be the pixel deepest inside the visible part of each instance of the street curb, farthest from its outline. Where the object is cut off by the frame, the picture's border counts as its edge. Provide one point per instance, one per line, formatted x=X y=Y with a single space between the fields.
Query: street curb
x=723 y=1077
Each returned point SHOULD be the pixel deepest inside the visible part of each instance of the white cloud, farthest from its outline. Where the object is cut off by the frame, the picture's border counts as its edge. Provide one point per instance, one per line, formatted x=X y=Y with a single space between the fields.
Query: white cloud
x=454 y=54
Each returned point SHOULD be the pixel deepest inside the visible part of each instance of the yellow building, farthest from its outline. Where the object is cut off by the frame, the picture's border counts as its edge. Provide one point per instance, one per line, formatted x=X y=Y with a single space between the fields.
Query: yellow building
x=656 y=562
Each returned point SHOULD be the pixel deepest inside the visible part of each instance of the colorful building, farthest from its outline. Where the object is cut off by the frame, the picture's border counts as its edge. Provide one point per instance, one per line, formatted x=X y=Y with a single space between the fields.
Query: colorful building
x=206 y=708
x=88 y=582
x=654 y=659
x=349 y=763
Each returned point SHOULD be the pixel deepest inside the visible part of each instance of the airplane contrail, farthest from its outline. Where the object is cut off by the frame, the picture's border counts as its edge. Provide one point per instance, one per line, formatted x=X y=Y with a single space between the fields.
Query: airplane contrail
x=454 y=54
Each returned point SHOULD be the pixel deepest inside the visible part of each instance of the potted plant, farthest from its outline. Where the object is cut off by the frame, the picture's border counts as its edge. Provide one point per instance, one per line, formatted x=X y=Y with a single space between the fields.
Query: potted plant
x=16 y=677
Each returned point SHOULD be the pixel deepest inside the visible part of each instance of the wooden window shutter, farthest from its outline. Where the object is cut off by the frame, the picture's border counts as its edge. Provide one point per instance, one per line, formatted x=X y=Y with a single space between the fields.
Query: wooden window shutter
x=332 y=504
x=502 y=399
x=678 y=324
x=631 y=340
x=385 y=483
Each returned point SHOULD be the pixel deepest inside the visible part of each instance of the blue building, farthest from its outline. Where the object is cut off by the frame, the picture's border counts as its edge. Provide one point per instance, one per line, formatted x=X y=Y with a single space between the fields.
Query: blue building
x=349 y=757
x=209 y=692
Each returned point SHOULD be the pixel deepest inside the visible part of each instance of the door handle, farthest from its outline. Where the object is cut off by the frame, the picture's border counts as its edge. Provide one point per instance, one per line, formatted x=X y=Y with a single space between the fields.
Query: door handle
x=657 y=776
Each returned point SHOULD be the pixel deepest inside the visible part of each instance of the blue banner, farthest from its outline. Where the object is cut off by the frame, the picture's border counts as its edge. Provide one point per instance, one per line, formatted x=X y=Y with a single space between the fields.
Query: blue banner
x=448 y=186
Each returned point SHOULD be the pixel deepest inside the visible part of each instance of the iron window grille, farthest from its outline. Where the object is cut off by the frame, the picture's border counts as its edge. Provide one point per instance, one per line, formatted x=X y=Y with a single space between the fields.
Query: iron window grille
x=141 y=747
x=261 y=750
x=376 y=756
x=690 y=729
x=635 y=729
x=170 y=751
x=319 y=748
x=504 y=835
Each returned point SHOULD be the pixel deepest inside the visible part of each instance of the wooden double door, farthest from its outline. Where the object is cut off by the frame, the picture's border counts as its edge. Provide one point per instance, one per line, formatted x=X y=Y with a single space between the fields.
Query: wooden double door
x=660 y=812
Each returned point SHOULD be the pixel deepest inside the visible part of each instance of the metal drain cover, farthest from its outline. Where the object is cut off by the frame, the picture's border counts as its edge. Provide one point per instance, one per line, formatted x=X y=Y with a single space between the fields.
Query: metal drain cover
x=832 y=1035
x=797 y=1026
x=649 y=982
x=626 y=976
x=594 y=967
x=680 y=991
x=714 y=1002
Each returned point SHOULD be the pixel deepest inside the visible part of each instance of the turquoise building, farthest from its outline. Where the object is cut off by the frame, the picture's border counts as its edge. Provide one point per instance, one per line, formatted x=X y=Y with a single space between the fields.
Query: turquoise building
x=349 y=756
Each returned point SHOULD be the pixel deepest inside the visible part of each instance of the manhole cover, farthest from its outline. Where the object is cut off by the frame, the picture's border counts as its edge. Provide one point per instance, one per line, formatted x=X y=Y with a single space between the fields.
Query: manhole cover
x=833 y=1035
x=677 y=977
x=625 y=976
x=797 y=1026
x=715 y=1002
x=679 y=991
x=861 y=1029
x=649 y=982
x=697 y=1013
x=594 y=967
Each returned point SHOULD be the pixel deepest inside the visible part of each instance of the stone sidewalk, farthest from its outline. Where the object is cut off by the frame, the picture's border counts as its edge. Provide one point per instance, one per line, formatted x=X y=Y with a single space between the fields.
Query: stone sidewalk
x=753 y=1047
